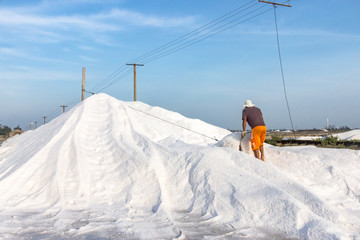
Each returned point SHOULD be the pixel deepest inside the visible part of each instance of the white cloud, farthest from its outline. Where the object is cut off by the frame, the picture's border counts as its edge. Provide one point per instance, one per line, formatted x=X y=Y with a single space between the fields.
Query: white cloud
x=105 y=21
x=16 y=67
x=34 y=24
x=11 y=52
x=49 y=3
x=139 y=19
x=10 y=18
x=88 y=48
x=319 y=33
x=15 y=53
x=27 y=74
x=249 y=29
x=89 y=59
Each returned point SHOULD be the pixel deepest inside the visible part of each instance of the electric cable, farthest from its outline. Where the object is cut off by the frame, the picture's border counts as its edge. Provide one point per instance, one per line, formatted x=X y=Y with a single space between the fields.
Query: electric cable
x=174 y=46
x=188 y=129
x=282 y=71
x=204 y=37
x=110 y=77
x=114 y=81
x=194 y=32
x=171 y=46
x=156 y=55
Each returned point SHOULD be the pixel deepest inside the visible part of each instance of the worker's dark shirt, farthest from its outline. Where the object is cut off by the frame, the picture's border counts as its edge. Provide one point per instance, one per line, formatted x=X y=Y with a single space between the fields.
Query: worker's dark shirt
x=253 y=116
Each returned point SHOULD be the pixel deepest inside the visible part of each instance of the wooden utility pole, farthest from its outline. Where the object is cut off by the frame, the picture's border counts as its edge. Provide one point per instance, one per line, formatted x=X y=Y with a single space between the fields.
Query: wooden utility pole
x=275 y=4
x=135 y=64
x=44 y=117
x=63 y=106
x=83 y=85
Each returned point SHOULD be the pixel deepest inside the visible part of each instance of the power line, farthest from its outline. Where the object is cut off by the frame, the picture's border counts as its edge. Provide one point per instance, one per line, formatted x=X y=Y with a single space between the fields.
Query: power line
x=116 y=80
x=204 y=37
x=282 y=72
x=110 y=77
x=174 y=46
x=188 y=129
x=194 y=32
x=280 y=59
x=89 y=92
x=204 y=33
x=195 y=36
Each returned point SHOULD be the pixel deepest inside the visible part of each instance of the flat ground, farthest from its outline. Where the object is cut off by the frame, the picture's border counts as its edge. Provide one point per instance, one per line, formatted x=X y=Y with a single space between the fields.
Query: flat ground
x=304 y=133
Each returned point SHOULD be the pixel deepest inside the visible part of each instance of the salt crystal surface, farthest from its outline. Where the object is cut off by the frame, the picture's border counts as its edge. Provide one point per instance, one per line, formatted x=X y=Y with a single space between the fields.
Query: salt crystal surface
x=109 y=169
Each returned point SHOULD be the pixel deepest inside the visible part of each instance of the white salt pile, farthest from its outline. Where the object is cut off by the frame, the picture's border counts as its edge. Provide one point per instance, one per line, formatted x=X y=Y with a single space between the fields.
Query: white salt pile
x=126 y=170
x=350 y=135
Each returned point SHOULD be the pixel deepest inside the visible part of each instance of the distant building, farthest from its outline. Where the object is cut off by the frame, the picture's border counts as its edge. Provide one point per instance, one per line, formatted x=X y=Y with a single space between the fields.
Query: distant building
x=328 y=126
x=331 y=127
x=15 y=132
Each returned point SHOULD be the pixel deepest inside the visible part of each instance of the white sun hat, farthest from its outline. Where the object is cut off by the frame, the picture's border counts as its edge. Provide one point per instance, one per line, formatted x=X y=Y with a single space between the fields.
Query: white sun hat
x=248 y=103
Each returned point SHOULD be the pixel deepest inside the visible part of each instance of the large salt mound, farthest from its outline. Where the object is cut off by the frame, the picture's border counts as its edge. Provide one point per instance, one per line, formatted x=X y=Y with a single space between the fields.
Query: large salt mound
x=125 y=170
x=350 y=135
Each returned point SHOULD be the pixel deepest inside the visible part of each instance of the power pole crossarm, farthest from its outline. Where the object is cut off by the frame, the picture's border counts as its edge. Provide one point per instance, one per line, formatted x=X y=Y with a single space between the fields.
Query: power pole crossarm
x=63 y=106
x=275 y=4
x=134 y=64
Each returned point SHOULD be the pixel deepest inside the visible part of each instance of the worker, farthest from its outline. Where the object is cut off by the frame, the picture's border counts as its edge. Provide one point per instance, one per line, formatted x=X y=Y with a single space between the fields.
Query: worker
x=253 y=116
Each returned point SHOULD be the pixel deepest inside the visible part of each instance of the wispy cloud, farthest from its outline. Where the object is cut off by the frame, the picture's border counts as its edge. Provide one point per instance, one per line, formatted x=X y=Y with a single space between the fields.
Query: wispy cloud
x=320 y=33
x=139 y=19
x=89 y=59
x=27 y=74
x=35 y=24
x=16 y=67
x=104 y=21
x=11 y=52
x=88 y=48
x=6 y=52
x=10 y=18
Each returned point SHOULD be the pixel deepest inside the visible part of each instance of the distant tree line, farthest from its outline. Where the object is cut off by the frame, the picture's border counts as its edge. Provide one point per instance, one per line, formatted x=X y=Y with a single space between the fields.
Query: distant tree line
x=5 y=130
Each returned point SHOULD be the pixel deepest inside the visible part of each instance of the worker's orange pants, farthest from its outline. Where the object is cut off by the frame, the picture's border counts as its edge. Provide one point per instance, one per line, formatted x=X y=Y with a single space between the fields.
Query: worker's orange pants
x=258 y=135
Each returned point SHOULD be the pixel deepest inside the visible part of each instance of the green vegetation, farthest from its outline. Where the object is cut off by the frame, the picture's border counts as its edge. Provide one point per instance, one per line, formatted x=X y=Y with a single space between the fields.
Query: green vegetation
x=333 y=141
x=274 y=140
x=325 y=142
x=329 y=141
x=4 y=130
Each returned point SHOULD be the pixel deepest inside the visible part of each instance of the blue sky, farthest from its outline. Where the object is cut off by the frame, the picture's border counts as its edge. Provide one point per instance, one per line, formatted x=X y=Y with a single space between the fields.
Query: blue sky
x=45 y=44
